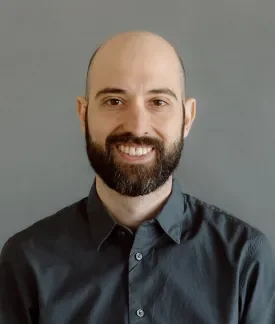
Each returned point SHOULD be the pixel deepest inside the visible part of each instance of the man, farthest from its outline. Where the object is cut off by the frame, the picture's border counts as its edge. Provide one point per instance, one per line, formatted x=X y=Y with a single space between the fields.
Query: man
x=137 y=249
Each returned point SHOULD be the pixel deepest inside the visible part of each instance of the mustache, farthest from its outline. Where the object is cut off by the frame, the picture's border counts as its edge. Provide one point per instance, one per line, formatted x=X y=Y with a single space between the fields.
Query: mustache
x=129 y=138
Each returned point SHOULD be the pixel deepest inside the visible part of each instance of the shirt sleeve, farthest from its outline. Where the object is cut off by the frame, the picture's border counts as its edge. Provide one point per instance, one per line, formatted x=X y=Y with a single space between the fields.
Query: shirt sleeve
x=257 y=299
x=16 y=287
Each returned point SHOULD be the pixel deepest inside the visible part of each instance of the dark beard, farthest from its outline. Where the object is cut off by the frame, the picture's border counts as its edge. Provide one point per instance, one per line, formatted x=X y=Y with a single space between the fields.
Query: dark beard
x=133 y=179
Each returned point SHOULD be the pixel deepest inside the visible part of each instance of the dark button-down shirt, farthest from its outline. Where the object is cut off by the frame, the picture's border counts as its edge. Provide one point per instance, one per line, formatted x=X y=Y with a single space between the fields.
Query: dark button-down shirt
x=193 y=263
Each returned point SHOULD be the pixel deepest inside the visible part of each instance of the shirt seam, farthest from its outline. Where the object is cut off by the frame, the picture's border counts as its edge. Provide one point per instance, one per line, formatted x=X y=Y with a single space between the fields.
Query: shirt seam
x=251 y=252
x=240 y=222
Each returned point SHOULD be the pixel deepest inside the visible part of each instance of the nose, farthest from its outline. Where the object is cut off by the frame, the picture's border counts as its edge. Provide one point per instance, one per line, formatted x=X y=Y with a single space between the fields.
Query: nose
x=136 y=120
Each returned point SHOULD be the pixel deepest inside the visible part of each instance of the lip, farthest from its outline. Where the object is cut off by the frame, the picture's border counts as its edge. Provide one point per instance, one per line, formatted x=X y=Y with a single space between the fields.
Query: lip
x=132 y=145
x=136 y=159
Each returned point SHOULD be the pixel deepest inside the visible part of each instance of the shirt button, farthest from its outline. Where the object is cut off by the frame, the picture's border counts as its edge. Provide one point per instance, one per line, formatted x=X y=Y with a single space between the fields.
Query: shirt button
x=138 y=256
x=121 y=232
x=140 y=313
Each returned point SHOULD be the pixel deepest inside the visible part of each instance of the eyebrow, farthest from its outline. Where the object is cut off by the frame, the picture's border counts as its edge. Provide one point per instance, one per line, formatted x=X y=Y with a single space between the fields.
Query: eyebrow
x=166 y=91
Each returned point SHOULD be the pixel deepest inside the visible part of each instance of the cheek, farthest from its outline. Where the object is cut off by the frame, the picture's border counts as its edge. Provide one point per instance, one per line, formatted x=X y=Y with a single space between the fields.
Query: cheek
x=102 y=125
x=98 y=131
x=171 y=130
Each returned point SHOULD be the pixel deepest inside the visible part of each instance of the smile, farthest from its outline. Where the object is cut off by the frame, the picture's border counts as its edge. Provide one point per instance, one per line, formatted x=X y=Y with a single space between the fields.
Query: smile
x=135 y=150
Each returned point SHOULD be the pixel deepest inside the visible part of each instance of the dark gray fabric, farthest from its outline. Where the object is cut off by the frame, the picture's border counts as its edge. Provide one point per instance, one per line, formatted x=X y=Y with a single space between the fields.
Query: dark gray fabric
x=193 y=263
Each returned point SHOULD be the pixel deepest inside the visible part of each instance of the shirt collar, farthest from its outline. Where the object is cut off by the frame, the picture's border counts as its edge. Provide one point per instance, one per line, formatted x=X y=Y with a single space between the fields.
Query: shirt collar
x=171 y=215
x=170 y=218
x=100 y=222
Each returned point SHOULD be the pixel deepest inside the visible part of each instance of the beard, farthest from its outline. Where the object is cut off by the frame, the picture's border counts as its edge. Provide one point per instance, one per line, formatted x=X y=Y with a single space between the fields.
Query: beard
x=133 y=179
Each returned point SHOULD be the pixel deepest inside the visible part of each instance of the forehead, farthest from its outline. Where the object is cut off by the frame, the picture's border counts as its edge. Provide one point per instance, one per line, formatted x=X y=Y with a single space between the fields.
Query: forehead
x=136 y=68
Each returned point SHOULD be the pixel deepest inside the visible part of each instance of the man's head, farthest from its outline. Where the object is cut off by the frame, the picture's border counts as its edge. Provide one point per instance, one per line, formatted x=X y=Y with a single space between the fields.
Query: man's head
x=135 y=115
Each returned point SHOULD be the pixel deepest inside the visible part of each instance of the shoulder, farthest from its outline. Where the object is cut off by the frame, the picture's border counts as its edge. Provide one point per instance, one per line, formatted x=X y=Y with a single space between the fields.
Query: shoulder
x=45 y=232
x=228 y=231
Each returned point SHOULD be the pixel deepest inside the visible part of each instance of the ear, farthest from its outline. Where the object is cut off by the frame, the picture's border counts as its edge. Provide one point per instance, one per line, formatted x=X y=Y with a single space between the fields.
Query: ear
x=190 y=114
x=82 y=106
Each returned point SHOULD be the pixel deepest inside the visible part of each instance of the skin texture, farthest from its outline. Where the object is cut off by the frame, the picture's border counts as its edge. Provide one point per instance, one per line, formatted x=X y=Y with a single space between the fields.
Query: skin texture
x=136 y=62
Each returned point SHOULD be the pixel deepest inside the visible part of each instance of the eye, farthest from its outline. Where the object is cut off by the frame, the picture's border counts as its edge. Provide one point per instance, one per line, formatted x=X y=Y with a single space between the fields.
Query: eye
x=113 y=102
x=159 y=102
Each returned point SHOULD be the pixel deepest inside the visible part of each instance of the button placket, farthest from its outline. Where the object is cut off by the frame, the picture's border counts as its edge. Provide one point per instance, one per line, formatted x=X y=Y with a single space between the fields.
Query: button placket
x=140 y=250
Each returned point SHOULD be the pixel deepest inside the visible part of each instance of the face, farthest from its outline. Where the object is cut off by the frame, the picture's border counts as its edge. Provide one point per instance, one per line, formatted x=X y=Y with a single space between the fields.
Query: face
x=135 y=122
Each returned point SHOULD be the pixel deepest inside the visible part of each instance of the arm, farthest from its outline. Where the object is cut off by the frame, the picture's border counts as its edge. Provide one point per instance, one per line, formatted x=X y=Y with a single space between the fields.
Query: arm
x=16 y=287
x=257 y=285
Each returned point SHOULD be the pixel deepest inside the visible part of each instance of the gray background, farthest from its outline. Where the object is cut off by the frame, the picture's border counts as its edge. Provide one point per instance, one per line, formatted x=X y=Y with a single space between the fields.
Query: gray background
x=229 y=52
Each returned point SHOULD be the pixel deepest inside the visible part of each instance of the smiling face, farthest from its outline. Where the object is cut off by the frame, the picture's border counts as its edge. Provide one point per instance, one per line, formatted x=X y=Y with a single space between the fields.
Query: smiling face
x=134 y=121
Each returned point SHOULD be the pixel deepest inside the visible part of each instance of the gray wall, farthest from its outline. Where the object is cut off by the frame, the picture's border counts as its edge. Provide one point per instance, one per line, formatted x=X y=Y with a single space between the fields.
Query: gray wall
x=229 y=51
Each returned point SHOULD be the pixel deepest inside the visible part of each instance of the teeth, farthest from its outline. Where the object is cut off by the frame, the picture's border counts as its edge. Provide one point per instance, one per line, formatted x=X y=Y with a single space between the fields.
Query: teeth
x=135 y=151
x=132 y=151
x=139 y=151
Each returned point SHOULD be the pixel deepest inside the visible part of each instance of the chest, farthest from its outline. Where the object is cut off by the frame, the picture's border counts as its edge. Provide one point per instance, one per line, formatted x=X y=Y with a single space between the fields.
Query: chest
x=158 y=285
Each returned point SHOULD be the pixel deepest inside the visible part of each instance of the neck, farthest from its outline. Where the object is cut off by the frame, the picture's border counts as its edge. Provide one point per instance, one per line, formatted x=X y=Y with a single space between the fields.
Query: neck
x=132 y=211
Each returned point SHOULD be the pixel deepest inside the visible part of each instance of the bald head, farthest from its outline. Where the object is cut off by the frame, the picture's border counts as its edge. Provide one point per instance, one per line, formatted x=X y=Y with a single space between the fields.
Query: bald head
x=139 y=48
